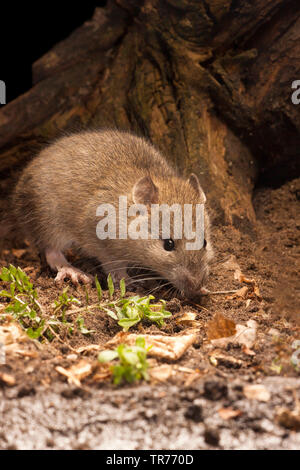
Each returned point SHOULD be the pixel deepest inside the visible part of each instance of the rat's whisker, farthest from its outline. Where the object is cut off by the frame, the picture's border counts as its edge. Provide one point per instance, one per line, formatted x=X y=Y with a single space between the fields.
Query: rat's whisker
x=147 y=279
x=158 y=287
x=119 y=268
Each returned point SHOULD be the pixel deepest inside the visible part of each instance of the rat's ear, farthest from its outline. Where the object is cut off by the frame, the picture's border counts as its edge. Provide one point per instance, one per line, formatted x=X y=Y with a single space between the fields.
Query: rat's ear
x=145 y=192
x=194 y=182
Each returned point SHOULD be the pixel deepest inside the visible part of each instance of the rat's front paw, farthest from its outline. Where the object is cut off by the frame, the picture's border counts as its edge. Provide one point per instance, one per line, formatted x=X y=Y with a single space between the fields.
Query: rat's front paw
x=74 y=274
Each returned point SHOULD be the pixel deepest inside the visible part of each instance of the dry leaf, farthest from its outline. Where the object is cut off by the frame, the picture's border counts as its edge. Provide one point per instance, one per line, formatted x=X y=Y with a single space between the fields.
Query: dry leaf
x=242 y=292
x=256 y=392
x=254 y=291
x=220 y=327
x=7 y=379
x=188 y=319
x=77 y=372
x=165 y=347
x=245 y=336
x=229 y=413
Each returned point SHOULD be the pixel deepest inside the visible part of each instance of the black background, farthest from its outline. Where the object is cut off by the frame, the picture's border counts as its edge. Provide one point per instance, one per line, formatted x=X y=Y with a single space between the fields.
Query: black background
x=29 y=30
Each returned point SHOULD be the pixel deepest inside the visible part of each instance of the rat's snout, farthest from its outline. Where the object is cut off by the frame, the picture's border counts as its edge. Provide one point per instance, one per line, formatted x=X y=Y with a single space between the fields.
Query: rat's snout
x=189 y=286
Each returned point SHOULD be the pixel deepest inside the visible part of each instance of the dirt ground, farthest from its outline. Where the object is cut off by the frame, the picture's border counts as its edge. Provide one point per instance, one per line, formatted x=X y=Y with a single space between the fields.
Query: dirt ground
x=204 y=402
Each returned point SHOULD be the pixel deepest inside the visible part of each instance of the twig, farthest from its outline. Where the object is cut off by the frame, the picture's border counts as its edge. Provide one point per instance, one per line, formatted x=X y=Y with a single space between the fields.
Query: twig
x=208 y=292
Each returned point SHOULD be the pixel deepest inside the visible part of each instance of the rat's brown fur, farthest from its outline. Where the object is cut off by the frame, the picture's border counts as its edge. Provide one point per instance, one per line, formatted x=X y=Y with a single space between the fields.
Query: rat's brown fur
x=56 y=198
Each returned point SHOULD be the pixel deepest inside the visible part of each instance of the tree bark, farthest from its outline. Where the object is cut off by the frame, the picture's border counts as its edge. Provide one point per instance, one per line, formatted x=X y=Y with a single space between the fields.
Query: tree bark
x=209 y=82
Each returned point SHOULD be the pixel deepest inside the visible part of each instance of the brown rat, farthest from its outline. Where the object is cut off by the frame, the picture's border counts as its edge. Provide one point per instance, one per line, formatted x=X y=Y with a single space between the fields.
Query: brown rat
x=57 y=197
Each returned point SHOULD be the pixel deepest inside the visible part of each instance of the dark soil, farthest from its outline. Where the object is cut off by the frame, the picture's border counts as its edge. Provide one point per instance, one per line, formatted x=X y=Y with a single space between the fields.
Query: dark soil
x=174 y=414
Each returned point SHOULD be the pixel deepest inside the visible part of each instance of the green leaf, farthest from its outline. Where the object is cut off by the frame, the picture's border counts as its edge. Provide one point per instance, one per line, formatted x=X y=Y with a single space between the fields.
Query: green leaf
x=127 y=323
x=82 y=328
x=5 y=293
x=111 y=314
x=99 y=289
x=12 y=270
x=123 y=287
x=34 y=334
x=107 y=356
x=111 y=287
x=140 y=342
x=5 y=275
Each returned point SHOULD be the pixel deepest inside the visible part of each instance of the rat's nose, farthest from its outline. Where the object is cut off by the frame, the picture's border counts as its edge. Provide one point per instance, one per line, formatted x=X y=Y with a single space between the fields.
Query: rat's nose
x=191 y=290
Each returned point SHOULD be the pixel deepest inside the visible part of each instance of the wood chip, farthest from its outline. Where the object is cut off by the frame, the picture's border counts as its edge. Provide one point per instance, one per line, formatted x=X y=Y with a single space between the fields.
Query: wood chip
x=229 y=413
x=161 y=373
x=226 y=361
x=77 y=372
x=7 y=379
x=90 y=347
x=164 y=347
x=256 y=392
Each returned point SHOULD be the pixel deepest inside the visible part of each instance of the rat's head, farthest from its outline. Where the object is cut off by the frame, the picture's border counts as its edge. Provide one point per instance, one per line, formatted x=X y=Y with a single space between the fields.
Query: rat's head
x=180 y=254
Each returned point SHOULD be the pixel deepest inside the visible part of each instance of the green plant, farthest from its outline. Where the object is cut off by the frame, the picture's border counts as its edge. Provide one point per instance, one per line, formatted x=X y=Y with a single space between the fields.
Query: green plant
x=130 y=311
x=82 y=328
x=26 y=309
x=64 y=302
x=132 y=365
x=24 y=305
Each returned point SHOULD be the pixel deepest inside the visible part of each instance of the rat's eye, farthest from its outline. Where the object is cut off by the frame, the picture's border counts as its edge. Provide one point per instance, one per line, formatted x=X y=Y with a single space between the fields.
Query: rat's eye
x=205 y=243
x=169 y=244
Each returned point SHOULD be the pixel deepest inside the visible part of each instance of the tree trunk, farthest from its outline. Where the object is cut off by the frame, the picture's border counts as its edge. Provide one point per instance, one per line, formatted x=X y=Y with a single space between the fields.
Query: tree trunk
x=209 y=82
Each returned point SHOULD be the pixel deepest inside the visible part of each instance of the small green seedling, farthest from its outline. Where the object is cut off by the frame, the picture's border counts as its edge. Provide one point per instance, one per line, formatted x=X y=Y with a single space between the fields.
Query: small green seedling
x=64 y=302
x=99 y=289
x=130 y=311
x=132 y=365
x=23 y=306
x=111 y=287
x=82 y=328
x=26 y=309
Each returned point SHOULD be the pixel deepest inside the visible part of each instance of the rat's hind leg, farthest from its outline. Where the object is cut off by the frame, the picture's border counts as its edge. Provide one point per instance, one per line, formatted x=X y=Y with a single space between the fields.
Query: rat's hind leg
x=65 y=270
